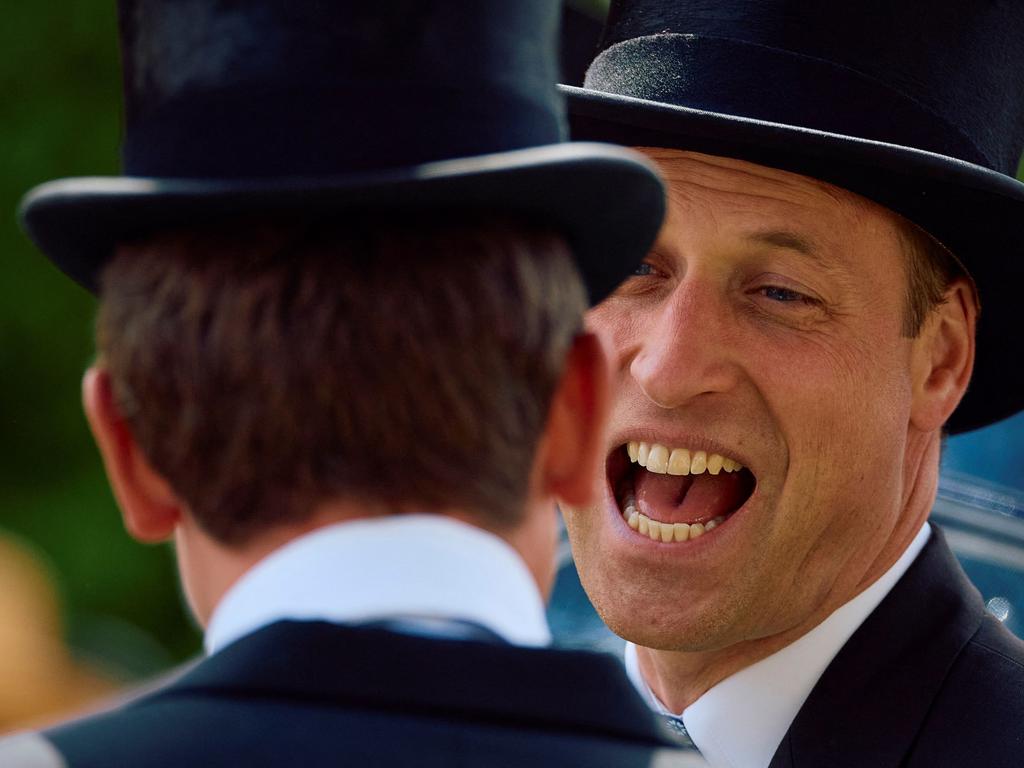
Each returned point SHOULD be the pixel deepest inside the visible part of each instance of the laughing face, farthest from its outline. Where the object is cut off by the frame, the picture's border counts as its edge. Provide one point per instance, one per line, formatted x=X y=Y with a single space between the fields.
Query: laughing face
x=761 y=452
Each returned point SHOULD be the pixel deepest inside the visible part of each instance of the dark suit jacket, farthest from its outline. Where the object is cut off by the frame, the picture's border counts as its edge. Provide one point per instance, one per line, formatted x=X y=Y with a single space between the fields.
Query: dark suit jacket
x=313 y=694
x=930 y=680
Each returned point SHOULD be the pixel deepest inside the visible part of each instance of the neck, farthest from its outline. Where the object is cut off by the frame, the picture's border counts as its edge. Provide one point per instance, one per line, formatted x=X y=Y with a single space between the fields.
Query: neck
x=679 y=678
x=209 y=568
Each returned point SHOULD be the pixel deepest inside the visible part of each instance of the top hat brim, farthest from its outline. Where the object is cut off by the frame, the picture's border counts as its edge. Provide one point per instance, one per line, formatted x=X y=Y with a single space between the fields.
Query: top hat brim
x=977 y=213
x=608 y=202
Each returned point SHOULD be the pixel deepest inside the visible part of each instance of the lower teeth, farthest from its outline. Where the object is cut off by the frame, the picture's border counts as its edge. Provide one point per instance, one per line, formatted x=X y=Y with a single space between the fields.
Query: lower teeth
x=665 y=532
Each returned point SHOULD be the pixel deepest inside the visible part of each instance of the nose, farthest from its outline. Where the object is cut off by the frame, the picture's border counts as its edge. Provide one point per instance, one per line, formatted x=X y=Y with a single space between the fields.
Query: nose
x=685 y=349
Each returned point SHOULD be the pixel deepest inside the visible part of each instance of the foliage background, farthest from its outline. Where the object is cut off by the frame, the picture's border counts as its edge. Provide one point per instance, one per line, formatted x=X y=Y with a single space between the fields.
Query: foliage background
x=59 y=116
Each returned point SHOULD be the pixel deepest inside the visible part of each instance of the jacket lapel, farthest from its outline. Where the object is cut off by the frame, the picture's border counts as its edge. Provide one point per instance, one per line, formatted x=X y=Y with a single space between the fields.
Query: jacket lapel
x=872 y=700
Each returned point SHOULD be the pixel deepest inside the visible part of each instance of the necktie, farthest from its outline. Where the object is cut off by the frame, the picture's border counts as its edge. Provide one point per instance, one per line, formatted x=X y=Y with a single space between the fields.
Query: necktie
x=692 y=757
x=677 y=726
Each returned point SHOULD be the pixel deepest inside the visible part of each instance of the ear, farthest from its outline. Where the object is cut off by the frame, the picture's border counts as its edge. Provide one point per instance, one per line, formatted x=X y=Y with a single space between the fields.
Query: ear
x=150 y=509
x=571 y=453
x=943 y=357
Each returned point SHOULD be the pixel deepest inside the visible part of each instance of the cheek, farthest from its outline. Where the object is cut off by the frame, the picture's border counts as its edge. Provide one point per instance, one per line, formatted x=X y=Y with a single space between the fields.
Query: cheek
x=824 y=381
x=580 y=524
x=842 y=409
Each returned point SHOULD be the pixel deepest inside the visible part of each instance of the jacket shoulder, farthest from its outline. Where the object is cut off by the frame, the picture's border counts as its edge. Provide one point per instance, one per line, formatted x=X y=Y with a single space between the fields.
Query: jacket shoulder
x=979 y=711
x=162 y=731
x=312 y=693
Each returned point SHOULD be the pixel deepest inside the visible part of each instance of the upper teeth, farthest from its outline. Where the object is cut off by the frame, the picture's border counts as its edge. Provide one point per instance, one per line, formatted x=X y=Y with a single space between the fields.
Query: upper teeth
x=678 y=461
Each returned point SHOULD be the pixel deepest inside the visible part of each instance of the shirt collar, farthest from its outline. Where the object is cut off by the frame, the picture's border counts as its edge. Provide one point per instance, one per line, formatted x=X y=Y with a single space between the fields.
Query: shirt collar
x=740 y=722
x=404 y=566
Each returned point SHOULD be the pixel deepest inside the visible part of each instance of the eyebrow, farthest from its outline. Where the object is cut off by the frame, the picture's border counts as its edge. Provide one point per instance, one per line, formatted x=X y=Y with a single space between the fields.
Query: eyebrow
x=791 y=241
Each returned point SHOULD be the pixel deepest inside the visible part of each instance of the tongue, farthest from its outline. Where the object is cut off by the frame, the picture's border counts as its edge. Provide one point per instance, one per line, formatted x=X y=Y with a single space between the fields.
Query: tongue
x=690 y=499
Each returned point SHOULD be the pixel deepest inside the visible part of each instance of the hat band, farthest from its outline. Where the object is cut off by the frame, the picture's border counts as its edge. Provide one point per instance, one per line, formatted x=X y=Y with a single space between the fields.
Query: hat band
x=746 y=80
x=252 y=133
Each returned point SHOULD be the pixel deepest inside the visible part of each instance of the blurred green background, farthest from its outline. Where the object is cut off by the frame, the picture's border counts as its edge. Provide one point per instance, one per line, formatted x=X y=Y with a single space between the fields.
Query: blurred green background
x=60 y=116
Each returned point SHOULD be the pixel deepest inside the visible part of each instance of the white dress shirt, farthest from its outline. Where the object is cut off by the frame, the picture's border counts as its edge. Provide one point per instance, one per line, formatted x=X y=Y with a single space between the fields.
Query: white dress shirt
x=740 y=722
x=404 y=567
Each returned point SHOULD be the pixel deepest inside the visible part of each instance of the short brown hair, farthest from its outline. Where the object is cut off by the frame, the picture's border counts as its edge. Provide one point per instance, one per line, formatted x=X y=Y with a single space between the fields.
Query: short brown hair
x=931 y=269
x=267 y=367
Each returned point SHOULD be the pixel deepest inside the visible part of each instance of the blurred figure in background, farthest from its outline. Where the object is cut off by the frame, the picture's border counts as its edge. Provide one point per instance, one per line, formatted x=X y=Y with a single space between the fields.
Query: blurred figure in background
x=41 y=680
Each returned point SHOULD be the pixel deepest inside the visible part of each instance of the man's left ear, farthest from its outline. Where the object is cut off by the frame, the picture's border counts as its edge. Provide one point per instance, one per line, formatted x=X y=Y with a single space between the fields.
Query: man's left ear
x=571 y=453
x=943 y=357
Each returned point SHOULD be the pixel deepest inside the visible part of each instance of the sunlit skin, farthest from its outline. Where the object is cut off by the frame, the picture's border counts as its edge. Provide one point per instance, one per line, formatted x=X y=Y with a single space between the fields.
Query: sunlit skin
x=766 y=324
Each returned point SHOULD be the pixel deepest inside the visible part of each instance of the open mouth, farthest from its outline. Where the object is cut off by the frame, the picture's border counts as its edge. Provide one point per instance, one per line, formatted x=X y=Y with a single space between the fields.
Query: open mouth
x=674 y=495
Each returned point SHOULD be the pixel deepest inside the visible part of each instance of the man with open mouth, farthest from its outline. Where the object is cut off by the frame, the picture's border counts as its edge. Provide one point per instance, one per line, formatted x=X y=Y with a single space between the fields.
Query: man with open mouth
x=785 y=364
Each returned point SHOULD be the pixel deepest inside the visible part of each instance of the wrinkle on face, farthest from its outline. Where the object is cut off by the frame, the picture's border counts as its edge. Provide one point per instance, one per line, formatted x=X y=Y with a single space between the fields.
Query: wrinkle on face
x=744 y=181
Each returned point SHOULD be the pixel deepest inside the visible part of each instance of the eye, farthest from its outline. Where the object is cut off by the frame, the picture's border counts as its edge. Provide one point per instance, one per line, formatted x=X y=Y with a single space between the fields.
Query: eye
x=784 y=295
x=780 y=294
x=646 y=279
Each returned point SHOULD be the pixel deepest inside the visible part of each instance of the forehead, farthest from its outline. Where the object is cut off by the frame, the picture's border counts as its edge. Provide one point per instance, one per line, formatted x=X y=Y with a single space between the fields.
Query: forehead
x=744 y=182
x=770 y=207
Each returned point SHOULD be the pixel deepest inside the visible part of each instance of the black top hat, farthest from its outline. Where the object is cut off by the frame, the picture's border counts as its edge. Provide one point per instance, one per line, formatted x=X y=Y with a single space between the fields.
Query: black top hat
x=236 y=106
x=916 y=104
